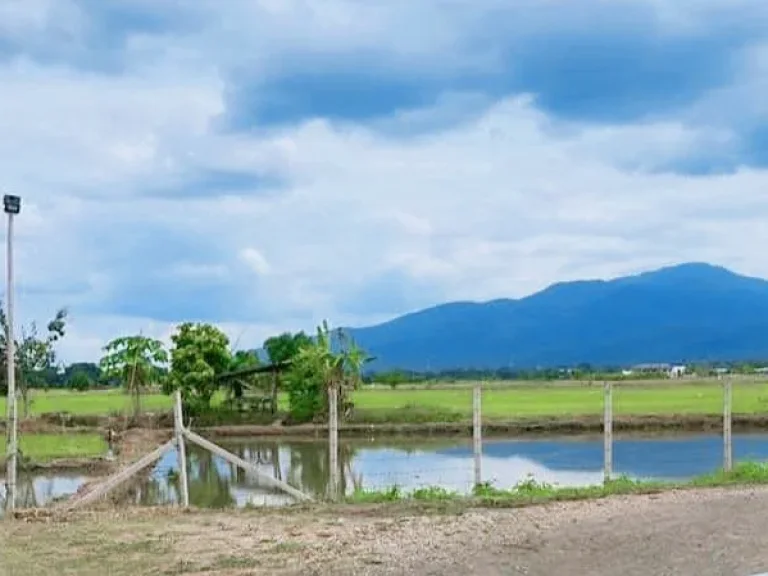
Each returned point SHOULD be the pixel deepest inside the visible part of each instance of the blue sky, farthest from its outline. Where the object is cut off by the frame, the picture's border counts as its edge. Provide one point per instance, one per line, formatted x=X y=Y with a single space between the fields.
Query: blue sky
x=266 y=164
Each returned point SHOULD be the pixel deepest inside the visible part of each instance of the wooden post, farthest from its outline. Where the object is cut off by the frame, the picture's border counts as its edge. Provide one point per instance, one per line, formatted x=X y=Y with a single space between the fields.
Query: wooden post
x=181 y=455
x=120 y=477
x=275 y=377
x=477 y=433
x=333 y=440
x=727 y=425
x=237 y=461
x=608 y=431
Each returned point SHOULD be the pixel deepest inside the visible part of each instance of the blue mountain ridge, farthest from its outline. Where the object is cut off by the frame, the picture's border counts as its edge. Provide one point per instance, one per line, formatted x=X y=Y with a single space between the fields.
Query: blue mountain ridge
x=683 y=313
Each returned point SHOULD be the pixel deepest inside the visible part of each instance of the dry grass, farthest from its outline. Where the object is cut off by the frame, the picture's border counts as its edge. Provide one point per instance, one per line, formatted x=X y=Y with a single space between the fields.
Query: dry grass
x=647 y=534
x=169 y=542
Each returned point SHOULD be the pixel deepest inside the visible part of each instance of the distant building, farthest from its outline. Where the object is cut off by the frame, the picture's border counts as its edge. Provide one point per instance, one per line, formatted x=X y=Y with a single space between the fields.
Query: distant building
x=652 y=367
x=673 y=371
x=677 y=371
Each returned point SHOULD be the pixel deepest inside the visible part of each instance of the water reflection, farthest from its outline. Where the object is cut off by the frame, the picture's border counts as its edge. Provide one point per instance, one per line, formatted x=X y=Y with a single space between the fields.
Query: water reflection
x=214 y=483
x=410 y=465
x=35 y=490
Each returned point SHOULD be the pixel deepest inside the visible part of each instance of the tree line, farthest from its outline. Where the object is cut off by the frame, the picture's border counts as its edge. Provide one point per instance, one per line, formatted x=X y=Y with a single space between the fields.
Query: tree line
x=199 y=362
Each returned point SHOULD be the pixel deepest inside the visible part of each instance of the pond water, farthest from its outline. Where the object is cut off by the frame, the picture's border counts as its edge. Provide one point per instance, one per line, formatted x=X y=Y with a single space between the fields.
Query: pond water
x=34 y=490
x=572 y=461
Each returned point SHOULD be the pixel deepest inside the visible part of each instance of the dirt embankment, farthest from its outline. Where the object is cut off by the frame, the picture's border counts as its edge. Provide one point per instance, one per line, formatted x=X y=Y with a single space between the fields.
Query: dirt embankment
x=137 y=437
x=586 y=424
x=129 y=446
x=521 y=427
x=716 y=532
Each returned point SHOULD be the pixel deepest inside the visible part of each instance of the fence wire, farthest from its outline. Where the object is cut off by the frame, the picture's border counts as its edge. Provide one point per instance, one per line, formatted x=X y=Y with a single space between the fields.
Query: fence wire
x=420 y=462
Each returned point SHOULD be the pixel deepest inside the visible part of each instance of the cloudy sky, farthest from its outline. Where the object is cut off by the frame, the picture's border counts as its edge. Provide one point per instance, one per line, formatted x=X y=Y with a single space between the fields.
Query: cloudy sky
x=264 y=164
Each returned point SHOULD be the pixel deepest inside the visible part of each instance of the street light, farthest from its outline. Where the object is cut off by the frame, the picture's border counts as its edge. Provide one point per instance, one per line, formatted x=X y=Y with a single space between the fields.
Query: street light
x=12 y=206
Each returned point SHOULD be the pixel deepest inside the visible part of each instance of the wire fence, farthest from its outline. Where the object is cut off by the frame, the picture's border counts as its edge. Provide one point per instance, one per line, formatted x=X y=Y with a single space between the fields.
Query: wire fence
x=714 y=427
x=458 y=465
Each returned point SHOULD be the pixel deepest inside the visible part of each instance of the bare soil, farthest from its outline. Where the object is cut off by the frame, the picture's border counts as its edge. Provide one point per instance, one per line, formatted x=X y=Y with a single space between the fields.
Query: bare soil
x=130 y=445
x=716 y=532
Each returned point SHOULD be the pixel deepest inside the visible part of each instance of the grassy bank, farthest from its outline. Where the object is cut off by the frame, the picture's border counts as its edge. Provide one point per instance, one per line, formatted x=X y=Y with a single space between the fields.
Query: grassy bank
x=42 y=448
x=96 y=402
x=454 y=404
x=531 y=492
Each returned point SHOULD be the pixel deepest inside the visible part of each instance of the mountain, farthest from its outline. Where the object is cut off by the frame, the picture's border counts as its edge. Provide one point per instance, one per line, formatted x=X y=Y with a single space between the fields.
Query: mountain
x=687 y=312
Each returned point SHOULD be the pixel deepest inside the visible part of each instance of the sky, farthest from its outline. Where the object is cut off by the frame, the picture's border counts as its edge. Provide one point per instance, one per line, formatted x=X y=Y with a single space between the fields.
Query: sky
x=266 y=164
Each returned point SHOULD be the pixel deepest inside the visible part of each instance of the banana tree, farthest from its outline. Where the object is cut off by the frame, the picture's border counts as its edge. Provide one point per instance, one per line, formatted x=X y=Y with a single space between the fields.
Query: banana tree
x=318 y=367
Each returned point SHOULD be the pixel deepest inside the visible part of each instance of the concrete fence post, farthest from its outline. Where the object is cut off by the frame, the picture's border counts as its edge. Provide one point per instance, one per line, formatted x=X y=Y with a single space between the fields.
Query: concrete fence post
x=727 y=425
x=477 y=433
x=333 y=440
x=608 y=431
x=181 y=453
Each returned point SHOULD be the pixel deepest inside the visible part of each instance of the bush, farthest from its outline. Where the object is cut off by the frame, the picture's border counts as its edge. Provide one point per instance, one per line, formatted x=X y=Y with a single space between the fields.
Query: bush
x=79 y=381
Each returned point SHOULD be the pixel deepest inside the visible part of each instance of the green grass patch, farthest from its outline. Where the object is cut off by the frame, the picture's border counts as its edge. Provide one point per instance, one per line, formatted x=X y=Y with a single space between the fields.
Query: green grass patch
x=531 y=492
x=451 y=405
x=101 y=402
x=454 y=404
x=47 y=447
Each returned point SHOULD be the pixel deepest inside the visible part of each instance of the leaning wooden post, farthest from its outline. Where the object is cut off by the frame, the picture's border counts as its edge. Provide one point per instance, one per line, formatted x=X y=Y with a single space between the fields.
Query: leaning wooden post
x=608 y=431
x=333 y=440
x=727 y=425
x=181 y=455
x=477 y=433
x=248 y=466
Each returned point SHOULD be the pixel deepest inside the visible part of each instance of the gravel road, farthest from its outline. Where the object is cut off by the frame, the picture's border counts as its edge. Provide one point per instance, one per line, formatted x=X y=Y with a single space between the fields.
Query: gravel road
x=693 y=533
x=686 y=533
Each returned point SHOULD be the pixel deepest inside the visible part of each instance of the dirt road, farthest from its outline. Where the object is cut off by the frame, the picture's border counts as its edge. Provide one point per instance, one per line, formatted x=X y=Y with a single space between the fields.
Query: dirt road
x=694 y=533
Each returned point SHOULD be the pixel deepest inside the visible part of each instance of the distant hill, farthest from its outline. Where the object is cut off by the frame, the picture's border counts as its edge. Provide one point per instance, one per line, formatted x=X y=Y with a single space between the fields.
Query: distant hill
x=681 y=313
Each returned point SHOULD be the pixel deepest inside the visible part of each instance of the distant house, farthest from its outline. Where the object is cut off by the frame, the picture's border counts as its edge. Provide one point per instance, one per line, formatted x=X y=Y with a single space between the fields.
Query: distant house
x=677 y=371
x=652 y=367
x=673 y=371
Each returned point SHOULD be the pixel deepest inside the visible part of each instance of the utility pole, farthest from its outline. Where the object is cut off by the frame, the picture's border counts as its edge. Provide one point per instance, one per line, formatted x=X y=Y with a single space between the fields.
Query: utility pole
x=12 y=206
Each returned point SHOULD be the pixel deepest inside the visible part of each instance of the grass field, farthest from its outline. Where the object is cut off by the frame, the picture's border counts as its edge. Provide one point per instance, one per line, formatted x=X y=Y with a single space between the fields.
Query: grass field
x=455 y=403
x=47 y=447
x=92 y=402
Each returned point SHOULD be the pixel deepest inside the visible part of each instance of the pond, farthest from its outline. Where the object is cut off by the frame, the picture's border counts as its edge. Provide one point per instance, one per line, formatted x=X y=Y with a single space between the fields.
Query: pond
x=571 y=461
x=34 y=490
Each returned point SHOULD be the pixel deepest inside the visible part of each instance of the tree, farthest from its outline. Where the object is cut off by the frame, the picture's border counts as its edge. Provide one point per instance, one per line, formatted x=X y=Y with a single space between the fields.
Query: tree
x=136 y=361
x=241 y=360
x=281 y=351
x=79 y=381
x=35 y=354
x=90 y=369
x=286 y=346
x=317 y=367
x=200 y=353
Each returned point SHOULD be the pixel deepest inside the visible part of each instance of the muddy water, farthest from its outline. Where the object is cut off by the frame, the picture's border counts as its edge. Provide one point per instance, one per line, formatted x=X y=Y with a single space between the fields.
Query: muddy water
x=572 y=461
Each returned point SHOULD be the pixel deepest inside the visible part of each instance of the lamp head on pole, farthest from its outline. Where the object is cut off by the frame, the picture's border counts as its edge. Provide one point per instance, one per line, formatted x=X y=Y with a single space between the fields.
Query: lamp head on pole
x=12 y=204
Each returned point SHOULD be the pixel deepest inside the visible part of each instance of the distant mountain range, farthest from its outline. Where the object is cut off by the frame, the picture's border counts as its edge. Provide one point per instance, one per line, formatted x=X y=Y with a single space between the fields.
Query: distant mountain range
x=684 y=313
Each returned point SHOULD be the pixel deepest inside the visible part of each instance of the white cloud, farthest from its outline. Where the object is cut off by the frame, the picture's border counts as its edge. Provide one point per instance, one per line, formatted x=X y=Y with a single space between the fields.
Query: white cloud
x=255 y=261
x=500 y=203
